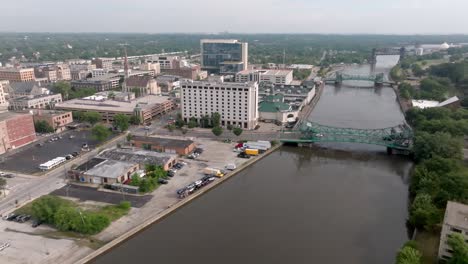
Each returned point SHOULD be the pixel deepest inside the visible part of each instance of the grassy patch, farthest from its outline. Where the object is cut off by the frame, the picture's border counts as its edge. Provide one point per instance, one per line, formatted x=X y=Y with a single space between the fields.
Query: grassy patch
x=69 y=216
x=428 y=245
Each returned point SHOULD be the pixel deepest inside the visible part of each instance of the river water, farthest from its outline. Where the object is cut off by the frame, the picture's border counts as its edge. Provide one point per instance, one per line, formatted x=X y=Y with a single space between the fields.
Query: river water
x=344 y=203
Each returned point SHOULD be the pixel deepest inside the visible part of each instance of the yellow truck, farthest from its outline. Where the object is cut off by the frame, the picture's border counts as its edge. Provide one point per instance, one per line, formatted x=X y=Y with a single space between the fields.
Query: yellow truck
x=213 y=172
x=251 y=152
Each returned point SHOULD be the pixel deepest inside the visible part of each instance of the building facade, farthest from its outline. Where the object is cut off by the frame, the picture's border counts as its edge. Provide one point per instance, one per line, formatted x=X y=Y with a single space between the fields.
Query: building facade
x=146 y=108
x=455 y=221
x=166 y=62
x=35 y=102
x=100 y=83
x=142 y=86
x=237 y=103
x=58 y=120
x=3 y=93
x=268 y=76
x=103 y=63
x=16 y=130
x=166 y=145
x=226 y=56
x=17 y=75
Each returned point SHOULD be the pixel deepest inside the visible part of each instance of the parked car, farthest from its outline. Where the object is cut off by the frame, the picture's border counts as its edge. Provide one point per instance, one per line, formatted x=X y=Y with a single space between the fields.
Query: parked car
x=162 y=181
x=36 y=223
x=243 y=155
x=198 y=184
x=9 y=175
x=75 y=153
x=10 y=217
x=170 y=173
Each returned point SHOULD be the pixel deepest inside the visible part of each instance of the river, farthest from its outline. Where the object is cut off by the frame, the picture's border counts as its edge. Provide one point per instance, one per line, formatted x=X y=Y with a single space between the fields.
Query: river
x=345 y=203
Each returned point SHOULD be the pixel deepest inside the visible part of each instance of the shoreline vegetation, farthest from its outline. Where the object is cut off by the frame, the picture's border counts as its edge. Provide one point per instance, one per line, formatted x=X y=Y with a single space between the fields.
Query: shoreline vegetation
x=440 y=175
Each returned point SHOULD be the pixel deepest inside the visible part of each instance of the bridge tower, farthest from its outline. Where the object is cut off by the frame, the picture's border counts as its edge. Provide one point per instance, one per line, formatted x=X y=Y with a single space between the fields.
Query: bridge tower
x=338 y=78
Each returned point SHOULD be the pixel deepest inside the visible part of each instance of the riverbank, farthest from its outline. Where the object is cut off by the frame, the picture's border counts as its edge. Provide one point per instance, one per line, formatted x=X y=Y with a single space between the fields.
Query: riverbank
x=156 y=217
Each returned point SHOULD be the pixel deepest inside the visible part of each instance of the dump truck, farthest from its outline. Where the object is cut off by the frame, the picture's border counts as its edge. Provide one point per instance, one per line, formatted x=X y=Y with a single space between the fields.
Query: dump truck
x=213 y=172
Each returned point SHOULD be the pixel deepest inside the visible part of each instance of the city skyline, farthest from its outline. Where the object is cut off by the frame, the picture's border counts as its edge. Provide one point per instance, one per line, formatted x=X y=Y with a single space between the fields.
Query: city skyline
x=262 y=16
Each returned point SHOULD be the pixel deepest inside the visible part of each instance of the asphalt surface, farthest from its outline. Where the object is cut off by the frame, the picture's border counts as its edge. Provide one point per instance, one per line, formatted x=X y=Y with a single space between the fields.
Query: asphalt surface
x=27 y=159
x=92 y=194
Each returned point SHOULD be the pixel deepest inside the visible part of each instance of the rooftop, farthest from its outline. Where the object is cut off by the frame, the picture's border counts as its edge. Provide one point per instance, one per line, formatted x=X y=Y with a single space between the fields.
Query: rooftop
x=456 y=215
x=138 y=81
x=110 y=169
x=113 y=105
x=4 y=69
x=273 y=107
x=164 y=142
x=268 y=72
x=105 y=77
x=7 y=115
x=231 y=41
x=33 y=97
x=218 y=84
x=138 y=156
x=89 y=164
x=23 y=87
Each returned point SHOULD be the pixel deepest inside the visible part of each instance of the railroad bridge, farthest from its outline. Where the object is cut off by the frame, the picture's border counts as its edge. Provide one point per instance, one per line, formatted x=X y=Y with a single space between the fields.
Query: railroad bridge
x=396 y=139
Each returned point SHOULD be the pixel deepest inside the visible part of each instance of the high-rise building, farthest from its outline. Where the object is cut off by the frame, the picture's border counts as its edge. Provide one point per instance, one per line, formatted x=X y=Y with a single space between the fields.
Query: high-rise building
x=224 y=56
x=268 y=76
x=237 y=103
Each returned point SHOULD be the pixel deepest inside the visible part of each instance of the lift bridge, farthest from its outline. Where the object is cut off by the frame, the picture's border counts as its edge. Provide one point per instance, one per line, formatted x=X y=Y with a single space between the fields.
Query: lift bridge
x=377 y=79
x=398 y=138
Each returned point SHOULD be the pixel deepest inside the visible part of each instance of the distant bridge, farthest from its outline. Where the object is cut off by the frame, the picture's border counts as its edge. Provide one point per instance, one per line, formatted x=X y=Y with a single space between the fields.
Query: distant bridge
x=394 y=138
x=377 y=79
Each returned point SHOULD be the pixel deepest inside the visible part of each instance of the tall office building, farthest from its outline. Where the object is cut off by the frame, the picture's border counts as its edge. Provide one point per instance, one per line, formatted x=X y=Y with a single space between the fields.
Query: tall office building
x=224 y=56
x=237 y=103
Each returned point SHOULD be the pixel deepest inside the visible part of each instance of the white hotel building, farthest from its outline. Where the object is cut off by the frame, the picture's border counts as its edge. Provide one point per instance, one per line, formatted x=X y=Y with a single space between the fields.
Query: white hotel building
x=237 y=103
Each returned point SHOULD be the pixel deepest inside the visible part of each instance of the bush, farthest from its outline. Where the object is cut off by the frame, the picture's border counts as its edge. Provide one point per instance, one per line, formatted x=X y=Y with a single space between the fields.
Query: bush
x=217 y=131
x=67 y=216
x=237 y=131
x=43 y=127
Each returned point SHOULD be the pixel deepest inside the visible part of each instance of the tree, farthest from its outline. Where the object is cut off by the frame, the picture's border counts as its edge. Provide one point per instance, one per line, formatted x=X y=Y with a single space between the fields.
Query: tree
x=237 y=131
x=215 y=119
x=63 y=88
x=192 y=123
x=229 y=127
x=100 y=132
x=460 y=249
x=91 y=117
x=77 y=116
x=122 y=122
x=417 y=70
x=217 y=131
x=42 y=126
x=397 y=74
x=440 y=144
x=423 y=213
x=135 y=120
x=408 y=255
x=129 y=137
x=179 y=121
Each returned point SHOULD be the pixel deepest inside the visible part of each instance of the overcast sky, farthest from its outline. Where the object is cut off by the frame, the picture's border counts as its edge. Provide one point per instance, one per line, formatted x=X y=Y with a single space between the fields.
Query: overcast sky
x=242 y=16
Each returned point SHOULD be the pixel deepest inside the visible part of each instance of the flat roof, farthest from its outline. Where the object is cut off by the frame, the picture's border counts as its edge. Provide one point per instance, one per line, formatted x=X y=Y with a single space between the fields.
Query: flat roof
x=7 y=115
x=112 y=105
x=138 y=156
x=165 y=142
x=268 y=72
x=456 y=215
x=230 y=41
x=110 y=169
x=89 y=164
x=219 y=84
x=424 y=103
x=15 y=69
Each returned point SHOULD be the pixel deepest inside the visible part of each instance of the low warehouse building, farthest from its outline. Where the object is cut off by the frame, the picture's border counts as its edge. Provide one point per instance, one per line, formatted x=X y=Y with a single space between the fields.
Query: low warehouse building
x=141 y=157
x=102 y=171
x=167 y=145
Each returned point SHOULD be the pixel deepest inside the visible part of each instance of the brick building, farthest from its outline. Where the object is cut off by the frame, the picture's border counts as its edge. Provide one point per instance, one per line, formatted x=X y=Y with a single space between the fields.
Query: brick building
x=43 y=101
x=167 y=145
x=56 y=119
x=142 y=85
x=17 y=75
x=16 y=130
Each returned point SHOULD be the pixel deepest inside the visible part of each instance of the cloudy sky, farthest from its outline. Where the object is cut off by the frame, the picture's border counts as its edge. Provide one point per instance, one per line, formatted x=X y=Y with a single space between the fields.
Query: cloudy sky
x=243 y=16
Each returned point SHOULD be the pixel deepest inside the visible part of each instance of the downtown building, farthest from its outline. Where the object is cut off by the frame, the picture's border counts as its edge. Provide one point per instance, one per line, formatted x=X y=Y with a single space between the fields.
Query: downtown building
x=224 y=56
x=236 y=102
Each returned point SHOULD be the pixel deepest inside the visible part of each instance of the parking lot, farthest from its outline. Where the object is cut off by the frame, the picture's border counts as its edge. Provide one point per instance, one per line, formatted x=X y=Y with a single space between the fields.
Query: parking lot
x=92 y=194
x=27 y=159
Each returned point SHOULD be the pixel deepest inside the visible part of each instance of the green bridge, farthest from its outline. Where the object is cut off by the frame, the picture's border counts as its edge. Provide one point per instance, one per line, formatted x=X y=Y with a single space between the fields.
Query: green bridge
x=377 y=79
x=394 y=138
